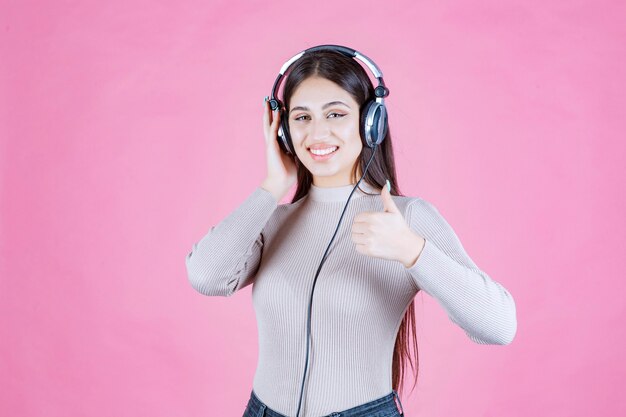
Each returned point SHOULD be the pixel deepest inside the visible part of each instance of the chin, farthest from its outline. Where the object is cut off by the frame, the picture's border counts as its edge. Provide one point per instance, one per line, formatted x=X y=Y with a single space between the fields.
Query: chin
x=323 y=171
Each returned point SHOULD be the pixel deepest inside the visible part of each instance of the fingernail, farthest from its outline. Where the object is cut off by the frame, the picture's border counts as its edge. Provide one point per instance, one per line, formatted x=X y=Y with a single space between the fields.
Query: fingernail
x=265 y=99
x=388 y=186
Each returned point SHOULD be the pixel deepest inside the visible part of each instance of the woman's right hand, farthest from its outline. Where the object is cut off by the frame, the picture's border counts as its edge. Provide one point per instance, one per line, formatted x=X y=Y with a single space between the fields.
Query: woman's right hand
x=281 y=169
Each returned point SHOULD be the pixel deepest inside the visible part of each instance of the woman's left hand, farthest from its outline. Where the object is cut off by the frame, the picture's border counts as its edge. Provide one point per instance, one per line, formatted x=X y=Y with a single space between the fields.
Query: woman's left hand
x=386 y=234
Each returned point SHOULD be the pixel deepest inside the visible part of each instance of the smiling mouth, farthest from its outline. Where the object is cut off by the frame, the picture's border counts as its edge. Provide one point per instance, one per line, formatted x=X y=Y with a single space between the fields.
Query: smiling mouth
x=323 y=151
x=323 y=154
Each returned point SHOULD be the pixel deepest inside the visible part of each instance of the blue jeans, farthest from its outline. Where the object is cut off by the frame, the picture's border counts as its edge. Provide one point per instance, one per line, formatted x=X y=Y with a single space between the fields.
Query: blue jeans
x=381 y=407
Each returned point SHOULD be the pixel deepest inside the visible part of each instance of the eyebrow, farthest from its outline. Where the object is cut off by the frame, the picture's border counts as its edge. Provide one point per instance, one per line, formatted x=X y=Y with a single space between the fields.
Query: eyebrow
x=332 y=103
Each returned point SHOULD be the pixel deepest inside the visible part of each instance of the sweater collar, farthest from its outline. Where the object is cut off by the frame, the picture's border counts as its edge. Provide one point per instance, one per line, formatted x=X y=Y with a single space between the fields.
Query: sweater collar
x=341 y=193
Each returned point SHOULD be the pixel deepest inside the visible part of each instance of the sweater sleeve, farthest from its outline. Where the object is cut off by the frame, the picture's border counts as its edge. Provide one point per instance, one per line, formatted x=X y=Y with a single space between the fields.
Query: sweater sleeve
x=482 y=307
x=227 y=258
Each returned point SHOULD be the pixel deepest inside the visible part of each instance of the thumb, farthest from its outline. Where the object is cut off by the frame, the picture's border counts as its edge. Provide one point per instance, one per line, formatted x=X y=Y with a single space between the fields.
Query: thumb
x=388 y=203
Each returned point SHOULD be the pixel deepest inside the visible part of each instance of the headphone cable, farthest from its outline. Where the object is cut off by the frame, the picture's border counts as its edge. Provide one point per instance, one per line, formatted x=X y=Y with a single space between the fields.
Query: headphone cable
x=375 y=146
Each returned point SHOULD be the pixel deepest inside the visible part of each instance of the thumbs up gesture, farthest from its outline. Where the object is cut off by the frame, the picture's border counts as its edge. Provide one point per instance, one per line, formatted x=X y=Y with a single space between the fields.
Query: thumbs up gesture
x=386 y=234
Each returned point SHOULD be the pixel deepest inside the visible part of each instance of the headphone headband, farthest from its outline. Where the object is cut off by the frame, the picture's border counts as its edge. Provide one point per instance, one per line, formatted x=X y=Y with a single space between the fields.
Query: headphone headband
x=380 y=91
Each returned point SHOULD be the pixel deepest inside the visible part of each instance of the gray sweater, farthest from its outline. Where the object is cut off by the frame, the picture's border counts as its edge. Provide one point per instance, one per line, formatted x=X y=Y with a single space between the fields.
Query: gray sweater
x=358 y=301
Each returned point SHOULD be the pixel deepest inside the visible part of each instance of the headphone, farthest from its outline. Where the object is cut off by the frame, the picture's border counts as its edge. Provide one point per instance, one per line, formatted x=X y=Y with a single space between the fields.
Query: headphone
x=374 y=121
x=373 y=128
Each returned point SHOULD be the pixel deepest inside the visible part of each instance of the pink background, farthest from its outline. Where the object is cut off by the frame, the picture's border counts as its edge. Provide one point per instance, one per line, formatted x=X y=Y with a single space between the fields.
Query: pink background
x=129 y=128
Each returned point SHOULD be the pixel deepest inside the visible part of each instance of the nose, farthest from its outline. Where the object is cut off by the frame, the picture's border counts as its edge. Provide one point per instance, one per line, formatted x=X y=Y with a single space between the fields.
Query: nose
x=320 y=129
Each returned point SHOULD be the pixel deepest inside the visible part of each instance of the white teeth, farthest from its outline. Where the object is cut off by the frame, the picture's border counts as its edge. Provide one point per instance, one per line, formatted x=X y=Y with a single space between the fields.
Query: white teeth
x=323 y=151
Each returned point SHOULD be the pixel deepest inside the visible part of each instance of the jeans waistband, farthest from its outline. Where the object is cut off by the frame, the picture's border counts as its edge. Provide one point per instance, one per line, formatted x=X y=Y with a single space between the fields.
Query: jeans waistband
x=258 y=409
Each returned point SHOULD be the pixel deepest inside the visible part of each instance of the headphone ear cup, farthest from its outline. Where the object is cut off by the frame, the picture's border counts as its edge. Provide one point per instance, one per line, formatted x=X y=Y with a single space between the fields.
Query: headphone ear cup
x=383 y=123
x=373 y=123
x=363 y=125
x=283 y=134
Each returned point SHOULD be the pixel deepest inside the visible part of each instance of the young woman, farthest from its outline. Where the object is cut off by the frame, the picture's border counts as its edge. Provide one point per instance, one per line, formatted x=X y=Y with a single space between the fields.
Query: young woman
x=341 y=349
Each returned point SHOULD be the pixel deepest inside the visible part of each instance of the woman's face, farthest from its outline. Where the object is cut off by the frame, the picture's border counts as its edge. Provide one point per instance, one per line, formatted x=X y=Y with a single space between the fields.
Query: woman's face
x=322 y=117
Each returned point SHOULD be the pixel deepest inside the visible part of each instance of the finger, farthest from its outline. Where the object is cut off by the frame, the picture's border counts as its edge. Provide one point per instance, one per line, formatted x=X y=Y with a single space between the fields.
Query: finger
x=361 y=217
x=275 y=119
x=273 y=131
x=361 y=249
x=362 y=238
x=359 y=228
x=359 y=239
x=274 y=126
x=266 y=117
x=388 y=203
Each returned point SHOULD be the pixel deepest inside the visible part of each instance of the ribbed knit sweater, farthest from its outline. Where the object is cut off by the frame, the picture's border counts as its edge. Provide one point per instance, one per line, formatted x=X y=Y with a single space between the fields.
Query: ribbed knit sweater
x=358 y=302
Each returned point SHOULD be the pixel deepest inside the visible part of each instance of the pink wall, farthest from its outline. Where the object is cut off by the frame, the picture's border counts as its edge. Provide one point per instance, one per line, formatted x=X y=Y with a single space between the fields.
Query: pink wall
x=130 y=127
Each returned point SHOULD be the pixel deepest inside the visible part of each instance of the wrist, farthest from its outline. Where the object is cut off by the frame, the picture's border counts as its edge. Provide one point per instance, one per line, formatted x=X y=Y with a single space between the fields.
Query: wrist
x=275 y=189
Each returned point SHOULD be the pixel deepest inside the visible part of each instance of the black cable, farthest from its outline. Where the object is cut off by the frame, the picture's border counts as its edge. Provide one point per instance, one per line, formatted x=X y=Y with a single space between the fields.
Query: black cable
x=306 y=365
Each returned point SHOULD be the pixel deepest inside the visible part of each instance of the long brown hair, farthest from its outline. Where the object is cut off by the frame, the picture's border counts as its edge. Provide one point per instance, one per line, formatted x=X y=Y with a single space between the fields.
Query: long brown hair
x=351 y=76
